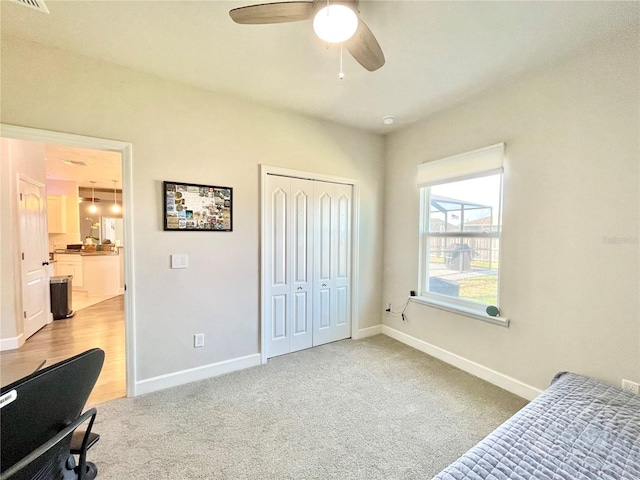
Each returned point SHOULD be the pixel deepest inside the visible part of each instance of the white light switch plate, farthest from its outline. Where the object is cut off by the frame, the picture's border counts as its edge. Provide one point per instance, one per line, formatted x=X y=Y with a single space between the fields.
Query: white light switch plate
x=179 y=261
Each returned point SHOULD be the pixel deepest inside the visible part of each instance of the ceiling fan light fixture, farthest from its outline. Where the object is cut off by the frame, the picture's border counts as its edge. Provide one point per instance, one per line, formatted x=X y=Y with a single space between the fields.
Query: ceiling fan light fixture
x=335 y=23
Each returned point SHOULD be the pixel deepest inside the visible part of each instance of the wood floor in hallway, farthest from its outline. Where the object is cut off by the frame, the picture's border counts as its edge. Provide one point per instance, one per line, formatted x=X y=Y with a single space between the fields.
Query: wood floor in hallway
x=100 y=325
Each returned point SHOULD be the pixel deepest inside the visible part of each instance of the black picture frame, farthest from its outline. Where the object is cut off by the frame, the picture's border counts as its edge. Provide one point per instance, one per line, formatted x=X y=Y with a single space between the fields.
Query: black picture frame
x=191 y=207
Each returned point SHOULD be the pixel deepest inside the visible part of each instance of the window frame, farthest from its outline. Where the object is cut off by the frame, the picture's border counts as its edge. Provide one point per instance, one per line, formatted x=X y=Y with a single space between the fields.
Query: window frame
x=467 y=308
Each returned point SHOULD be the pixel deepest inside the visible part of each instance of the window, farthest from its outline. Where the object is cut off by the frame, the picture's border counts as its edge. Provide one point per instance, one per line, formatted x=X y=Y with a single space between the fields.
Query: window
x=461 y=210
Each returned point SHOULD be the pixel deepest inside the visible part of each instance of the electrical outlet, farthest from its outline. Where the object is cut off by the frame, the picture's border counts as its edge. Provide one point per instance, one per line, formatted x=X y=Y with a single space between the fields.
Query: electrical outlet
x=630 y=386
x=198 y=340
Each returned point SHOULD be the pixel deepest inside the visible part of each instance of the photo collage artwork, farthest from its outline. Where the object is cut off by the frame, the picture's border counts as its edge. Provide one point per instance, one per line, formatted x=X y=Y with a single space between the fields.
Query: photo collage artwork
x=197 y=207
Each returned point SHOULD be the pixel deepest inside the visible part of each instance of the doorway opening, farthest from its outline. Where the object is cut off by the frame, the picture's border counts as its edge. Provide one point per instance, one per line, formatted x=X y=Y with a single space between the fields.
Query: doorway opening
x=102 y=310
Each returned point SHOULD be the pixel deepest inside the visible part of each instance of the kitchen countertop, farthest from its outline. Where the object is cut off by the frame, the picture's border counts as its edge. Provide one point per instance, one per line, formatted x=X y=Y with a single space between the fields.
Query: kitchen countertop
x=85 y=253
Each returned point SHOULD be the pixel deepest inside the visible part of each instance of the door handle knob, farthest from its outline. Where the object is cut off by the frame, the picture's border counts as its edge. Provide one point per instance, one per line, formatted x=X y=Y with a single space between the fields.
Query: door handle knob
x=299 y=288
x=324 y=284
x=45 y=263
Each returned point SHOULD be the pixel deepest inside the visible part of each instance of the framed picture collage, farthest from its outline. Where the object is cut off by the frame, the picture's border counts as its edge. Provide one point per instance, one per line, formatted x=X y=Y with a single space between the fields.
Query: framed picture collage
x=193 y=207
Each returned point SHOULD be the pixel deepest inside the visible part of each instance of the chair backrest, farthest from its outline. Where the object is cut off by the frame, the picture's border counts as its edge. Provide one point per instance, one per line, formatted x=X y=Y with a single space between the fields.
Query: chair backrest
x=45 y=403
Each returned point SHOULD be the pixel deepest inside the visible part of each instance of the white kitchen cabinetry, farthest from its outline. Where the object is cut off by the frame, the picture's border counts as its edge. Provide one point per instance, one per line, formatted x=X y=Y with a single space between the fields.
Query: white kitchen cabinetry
x=57 y=213
x=102 y=274
x=94 y=273
x=71 y=264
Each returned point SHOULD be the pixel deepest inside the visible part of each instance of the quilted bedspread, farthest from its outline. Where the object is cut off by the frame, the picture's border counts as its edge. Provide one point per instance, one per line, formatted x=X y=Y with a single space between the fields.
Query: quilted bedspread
x=579 y=428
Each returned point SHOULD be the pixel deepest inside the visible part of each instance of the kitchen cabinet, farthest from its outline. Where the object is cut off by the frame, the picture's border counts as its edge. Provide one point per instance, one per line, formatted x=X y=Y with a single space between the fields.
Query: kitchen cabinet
x=71 y=264
x=97 y=273
x=57 y=213
x=101 y=274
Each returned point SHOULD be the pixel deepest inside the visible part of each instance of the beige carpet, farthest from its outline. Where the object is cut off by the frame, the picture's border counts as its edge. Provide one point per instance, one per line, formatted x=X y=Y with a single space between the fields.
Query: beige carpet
x=367 y=409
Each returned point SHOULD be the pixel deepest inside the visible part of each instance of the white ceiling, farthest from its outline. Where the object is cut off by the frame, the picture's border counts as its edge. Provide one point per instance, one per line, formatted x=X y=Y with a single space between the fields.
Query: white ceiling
x=102 y=167
x=437 y=53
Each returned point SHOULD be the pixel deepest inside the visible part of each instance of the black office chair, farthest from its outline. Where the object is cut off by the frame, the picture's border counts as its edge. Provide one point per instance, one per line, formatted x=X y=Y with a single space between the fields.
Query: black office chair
x=39 y=415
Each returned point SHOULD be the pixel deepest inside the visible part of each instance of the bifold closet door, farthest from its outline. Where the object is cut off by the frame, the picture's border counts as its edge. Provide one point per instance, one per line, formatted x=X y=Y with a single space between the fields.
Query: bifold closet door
x=332 y=262
x=289 y=232
x=307 y=269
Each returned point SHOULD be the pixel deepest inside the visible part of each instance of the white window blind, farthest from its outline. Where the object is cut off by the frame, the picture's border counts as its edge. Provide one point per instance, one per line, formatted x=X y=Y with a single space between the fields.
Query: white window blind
x=463 y=166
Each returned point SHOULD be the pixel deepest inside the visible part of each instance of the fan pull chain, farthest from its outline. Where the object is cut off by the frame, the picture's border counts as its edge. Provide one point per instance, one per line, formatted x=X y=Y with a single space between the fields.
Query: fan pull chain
x=341 y=73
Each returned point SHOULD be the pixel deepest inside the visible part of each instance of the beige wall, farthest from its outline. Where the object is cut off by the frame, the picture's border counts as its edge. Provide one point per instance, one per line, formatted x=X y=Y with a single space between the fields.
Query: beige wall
x=571 y=187
x=186 y=134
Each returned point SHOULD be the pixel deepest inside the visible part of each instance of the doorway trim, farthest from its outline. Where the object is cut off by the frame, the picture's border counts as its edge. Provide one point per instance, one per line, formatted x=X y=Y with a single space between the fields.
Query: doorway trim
x=125 y=149
x=355 y=237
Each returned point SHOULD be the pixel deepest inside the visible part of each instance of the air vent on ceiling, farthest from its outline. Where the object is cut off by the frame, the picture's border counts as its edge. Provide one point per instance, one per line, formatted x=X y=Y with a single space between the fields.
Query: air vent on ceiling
x=75 y=163
x=35 y=4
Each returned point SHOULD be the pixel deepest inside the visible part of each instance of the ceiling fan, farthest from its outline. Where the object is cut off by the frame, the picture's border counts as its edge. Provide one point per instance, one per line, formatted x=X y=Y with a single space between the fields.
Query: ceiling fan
x=333 y=21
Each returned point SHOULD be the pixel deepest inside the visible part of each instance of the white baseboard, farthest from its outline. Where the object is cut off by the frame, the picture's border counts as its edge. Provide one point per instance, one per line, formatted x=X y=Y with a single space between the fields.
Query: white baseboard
x=499 y=379
x=194 y=374
x=11 y=343
x=367 y=332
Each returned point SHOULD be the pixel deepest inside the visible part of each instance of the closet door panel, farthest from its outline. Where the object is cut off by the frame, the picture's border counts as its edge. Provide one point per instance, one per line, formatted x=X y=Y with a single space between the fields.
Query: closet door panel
x=323 y=237
x=301 y=227
x=343 y=208
x=343 y=233
x=279 y=245
x=279 y=317
x=323 y=319
x=342 y=309
x=332 y=318
x=301 y=319
x=277 y=323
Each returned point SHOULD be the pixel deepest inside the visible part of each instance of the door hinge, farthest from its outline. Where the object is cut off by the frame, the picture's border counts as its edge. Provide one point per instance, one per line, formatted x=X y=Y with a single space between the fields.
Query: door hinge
x=21 y=197
x=24 y=314
x=23 y=255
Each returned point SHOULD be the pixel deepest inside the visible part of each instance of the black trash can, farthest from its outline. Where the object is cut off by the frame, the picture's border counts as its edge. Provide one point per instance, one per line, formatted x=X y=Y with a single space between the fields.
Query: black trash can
x=60 y=287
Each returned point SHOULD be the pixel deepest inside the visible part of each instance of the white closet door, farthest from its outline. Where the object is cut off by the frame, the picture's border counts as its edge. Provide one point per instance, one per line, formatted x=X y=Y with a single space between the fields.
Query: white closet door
x=277 y=266
x=301 y=221
x=332 y=262
x=289 y=224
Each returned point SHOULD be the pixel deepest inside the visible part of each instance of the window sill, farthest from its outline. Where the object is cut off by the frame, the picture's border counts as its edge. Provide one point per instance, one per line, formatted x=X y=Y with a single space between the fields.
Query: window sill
x=460 y=310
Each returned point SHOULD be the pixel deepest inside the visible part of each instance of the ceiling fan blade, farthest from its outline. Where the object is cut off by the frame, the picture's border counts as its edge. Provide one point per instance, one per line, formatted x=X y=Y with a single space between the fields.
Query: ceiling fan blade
x=280 y=12
x=364 y=47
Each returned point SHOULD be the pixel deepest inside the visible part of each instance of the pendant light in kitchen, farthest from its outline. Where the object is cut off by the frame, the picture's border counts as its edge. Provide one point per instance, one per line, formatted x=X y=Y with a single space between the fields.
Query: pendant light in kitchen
x=115 y=208
x=92 y=207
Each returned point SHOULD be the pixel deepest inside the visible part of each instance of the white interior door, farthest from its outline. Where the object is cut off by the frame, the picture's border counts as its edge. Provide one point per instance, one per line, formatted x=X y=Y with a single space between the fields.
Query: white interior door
x=34 y=257
x=307 y=269
x=289 y=225
x=301 y=237
x=332 y=263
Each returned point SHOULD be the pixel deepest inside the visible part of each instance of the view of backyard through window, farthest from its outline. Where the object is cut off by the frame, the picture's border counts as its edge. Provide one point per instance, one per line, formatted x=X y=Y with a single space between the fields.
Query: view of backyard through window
x=462 y=240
